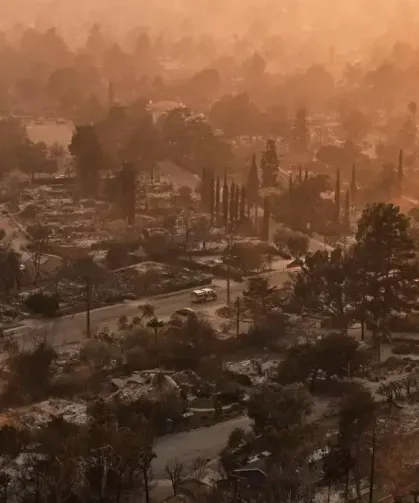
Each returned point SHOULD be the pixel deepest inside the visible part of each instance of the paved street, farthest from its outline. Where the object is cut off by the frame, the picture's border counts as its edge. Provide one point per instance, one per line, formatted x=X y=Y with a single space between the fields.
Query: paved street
x=69 y=329
x=206 y=442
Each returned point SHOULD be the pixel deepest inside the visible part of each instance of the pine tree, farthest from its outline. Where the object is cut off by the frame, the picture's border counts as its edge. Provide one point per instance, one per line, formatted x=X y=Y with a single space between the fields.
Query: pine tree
x=225 y=200
x=400 y=175
x=347 y=221
x=354 y=188
x=232 y=203
x=337 y=198
x=266 y=218
x=306 y=175
x=242 y=203
x=217 y=199
x=253 y=188
x=269 y=165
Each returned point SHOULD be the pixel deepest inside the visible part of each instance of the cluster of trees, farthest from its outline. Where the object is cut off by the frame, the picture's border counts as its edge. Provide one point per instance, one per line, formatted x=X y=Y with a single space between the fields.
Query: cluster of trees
x=19 y=153
x=231 y=205
x=372 y=281
x=129 y=135
x=109 y=458
x=367 y=444
x=302 y=206
x=332 y=357
x=227 y=204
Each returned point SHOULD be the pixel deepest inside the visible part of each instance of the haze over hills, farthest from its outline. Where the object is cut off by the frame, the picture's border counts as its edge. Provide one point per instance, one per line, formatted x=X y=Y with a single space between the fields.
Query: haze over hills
x=329 y=22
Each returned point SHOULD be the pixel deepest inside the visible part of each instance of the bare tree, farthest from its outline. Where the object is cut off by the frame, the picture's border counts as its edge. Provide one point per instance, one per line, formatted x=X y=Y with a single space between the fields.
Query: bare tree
x=38 y=246
x=394 y=462
x=199 y=467
x=174 y=470
x=146 y=455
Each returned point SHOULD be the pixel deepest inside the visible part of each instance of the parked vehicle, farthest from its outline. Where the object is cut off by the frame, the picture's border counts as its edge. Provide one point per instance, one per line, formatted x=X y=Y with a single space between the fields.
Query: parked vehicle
x=203 y=295
x=185 y=311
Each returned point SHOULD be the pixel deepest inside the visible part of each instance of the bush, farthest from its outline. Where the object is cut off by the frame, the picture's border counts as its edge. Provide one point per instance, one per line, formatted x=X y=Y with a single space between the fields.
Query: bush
x=406 y=349
x=43 y=304
x=409 y=324
x=98 y=354
x=117 y=256
x=242 y=379
x=67 y=385
x=30 y=375
x=137 y=359
x=393 y=363
x=231 y=394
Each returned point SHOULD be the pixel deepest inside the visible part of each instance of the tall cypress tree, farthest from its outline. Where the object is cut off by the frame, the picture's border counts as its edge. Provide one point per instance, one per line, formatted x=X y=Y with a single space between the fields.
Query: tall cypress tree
x=253 y=183
x=204 y=189
x=266 y=218
x=237 y=204
x=400 y=175
x=242 y=203
x=232 y=203
x=354 y=187
x=300 y=174
x=290 y=189
x=347 y=222
x=269 y=165
x=290 y=183
x=128 y=180
x=337 y=198
x=306 y=175
x=217 y=199
x=225 y=200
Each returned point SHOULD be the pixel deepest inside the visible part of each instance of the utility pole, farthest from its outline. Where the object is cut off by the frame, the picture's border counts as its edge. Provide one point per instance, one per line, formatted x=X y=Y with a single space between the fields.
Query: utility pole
x=238 y=317
x=228 y=272
x=228 y=285
x=372 y=470
x=88 y=292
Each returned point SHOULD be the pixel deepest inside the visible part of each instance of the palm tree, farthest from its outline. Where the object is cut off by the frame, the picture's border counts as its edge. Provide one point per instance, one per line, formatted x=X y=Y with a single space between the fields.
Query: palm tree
x=155 y=324
x=147 y=311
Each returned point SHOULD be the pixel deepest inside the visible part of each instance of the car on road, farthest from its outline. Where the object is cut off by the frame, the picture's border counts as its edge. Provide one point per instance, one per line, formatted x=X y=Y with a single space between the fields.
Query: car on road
x=185 y=311
x=203 y=295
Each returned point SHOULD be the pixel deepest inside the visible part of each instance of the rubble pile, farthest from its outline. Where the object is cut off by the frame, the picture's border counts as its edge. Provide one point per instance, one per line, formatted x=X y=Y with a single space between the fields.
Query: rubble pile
x=152 y=278
x=39 y=414
x=9 y=313
x=256 y=369
x=151 y=384
x=190 y=381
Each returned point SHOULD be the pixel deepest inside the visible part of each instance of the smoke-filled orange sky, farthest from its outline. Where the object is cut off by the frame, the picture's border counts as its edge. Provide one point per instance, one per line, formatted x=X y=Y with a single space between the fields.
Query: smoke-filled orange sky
x=215 y=15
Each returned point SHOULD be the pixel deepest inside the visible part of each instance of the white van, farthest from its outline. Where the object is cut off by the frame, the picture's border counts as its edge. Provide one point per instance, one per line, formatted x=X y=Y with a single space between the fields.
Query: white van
x=203 y=295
